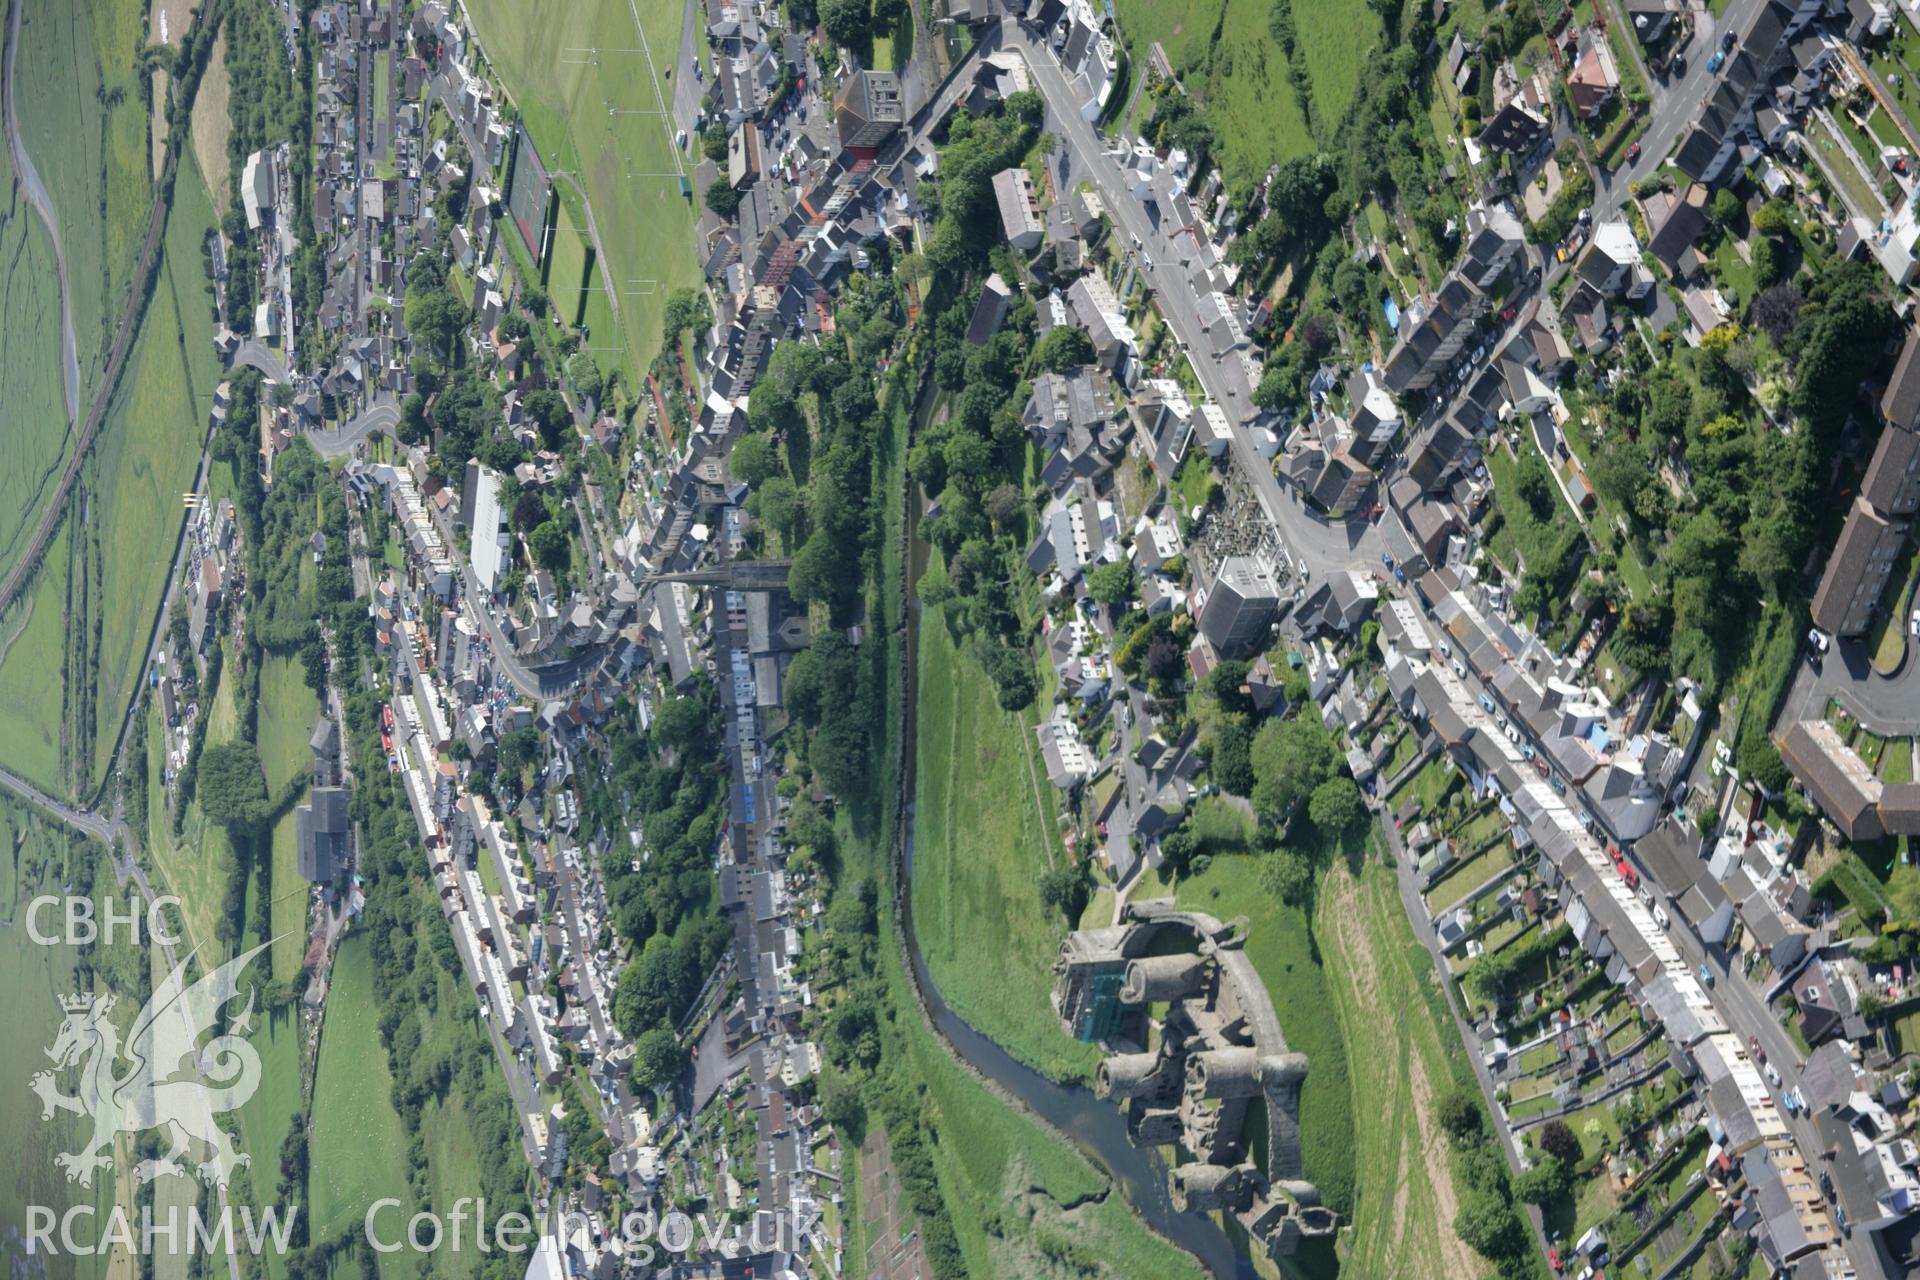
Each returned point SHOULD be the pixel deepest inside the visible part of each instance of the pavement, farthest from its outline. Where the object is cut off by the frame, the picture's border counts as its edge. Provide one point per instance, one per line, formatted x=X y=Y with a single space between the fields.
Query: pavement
x=337 y=442
x=256 y=354
x=1887 y=704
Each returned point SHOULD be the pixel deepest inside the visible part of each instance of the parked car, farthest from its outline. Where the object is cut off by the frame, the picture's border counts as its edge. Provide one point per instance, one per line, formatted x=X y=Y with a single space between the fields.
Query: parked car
x=1717 y=61
x=1706 y=976
x=1726 y=42
x=1818 y=639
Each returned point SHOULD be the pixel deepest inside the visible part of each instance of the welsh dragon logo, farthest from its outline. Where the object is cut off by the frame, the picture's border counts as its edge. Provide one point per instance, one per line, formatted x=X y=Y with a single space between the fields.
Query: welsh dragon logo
x=175 y=1082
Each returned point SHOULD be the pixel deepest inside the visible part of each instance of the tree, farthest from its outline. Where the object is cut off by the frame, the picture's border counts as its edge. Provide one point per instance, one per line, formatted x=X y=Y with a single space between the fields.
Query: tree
x=1491 y=974
x=658 y=1058
x=653 y=989
x=1112 y=584
x=1337 y=807
x=434 y=315
x=754 y=459
x=847 y=22
x=686 y=309
x=679 y=722
x=1064 y=349
x=1290 y=758
x=1459 y=1114
x=550 y=415
x=550 y=546
x=777 y=505
x=232 y=790
x=1226 y=683
x=1064 y=888
x=722 y=198
x=518 y=751
x=1543 y=1184
x=1768 y=263
x=1727 y=209
x=1557 y=1140
x=1287 y=875
x=1776 y=311
x=1770 y=219
x=1003 y=504
x=1486 y=1223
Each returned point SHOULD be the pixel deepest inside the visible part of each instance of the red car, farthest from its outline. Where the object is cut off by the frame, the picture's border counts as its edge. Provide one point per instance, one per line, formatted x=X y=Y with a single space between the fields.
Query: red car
x=1633 y=153
x=1553 y=1257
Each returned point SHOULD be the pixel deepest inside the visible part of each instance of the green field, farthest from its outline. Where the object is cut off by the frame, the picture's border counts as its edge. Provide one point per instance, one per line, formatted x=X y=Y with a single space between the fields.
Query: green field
x=564 y=102
x=1017 y=1191
x=1225 y=55
x=93 y=158
x=147 y=454
x=359 y=1148
x=288 y=910
x=33 y=635
x=567 y=267
x=288 y=712
x=1335 y=35
x=34 y=448
x=35 y=978
x=1404 y=1053
x=1357 y=994
x=981 y=846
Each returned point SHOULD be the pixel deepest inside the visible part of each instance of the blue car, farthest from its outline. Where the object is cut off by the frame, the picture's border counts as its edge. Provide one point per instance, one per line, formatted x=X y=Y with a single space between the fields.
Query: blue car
x=1717 y=61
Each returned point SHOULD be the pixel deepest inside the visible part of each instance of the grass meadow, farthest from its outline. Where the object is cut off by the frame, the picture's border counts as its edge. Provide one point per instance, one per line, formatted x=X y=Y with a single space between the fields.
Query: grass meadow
x=1403 y=1055
x=92 y=156
x=563 y=98
x=40 y=859
x=288 y=712
x=146 y=456
x=567 y=271
x=193 y=867
x=982 y=844
x=1017 y=1192
x=1226 y=56
x=33 y=637
x=359 y=1147
x=1356 y=993
x=1335 y=35
x=39 y=437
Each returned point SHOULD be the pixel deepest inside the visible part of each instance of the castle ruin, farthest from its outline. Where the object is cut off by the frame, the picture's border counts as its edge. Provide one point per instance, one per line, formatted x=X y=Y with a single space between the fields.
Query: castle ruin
x=1198 y=1045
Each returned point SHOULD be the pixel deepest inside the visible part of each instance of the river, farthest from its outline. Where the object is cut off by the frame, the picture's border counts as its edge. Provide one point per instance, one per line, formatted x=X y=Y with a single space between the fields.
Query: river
x=1095 y=1127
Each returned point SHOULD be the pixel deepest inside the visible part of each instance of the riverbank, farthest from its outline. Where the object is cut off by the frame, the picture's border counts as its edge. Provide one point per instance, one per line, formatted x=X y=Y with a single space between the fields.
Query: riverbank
x=1022 y=1198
